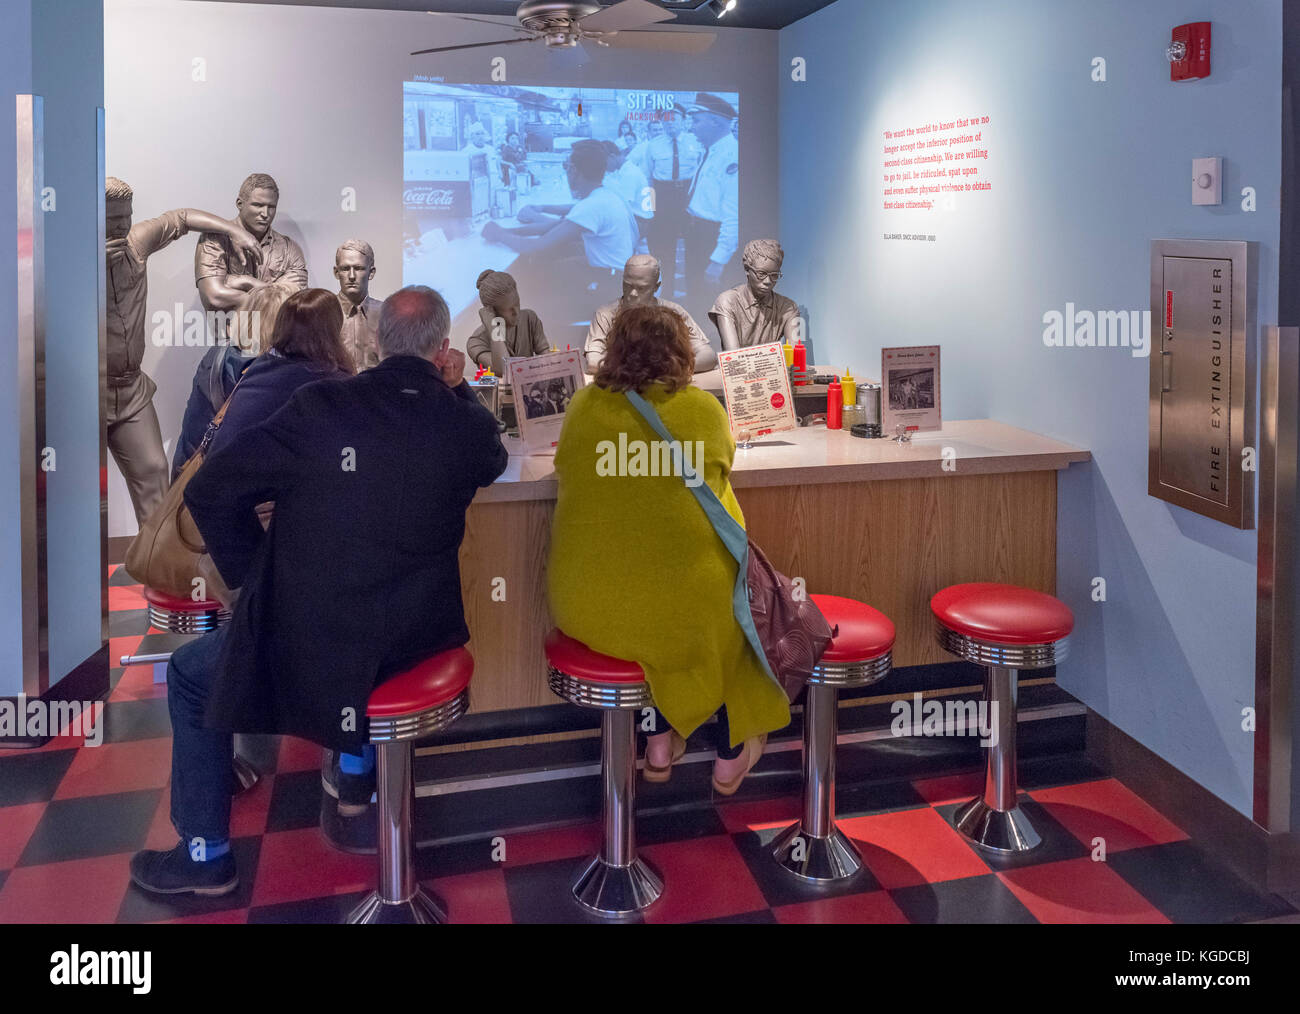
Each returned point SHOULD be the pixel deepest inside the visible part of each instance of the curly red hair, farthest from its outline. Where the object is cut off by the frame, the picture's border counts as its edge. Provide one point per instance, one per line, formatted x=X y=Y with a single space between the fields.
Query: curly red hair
x=647 y=345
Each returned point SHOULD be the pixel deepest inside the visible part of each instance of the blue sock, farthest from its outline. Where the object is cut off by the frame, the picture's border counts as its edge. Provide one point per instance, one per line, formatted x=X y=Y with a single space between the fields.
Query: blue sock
x=204 y=851
x=358 y=764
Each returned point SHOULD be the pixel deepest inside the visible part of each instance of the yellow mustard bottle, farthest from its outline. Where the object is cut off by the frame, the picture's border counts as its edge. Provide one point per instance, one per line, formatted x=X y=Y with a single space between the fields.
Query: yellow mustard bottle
x=850 y=387
x=789 y=354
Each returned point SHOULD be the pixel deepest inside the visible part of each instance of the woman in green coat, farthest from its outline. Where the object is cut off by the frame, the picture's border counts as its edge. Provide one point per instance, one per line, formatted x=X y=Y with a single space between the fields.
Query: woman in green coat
x=636 y=569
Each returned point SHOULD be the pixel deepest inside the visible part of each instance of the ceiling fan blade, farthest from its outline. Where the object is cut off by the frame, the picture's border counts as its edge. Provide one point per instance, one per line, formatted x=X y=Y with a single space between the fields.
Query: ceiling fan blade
x=477 y=21
x=570 y=56
x=472 y=45
x=481 y=21
x=664 y=42
x=627 y=14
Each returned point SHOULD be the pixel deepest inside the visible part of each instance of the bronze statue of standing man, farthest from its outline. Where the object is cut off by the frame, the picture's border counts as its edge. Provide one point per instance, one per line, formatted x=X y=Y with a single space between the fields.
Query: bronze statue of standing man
x=224 y=272
x=354 y=267
x=134 y=438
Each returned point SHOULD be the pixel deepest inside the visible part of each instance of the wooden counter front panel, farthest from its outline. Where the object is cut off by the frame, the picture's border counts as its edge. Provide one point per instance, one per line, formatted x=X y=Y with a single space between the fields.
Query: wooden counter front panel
x=891 y=544
x=508 y=541
x=894 y=544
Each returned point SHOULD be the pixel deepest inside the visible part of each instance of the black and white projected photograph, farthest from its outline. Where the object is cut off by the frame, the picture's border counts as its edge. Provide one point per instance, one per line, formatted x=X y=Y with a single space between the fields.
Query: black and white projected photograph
x=561 y=185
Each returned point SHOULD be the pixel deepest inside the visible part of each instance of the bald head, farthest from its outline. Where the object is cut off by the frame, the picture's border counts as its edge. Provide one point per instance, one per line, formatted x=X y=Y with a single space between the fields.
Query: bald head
x=640 y=280
x=414 y=321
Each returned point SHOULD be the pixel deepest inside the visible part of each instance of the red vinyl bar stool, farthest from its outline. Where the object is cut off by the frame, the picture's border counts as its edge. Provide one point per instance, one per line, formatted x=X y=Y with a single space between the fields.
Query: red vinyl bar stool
x=617 y=882
x=1005 y=629
x=861 y=653
x=423 y=700
x=183 y=615
x=189 y=616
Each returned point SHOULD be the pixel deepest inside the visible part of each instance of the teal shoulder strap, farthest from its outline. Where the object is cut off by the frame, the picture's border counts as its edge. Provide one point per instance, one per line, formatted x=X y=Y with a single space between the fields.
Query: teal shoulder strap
x=728 y=528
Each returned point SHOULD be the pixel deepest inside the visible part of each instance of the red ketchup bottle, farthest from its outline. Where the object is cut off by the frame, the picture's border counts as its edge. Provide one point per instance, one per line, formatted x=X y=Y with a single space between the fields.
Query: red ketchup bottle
x=800 y=364
x=834 y=405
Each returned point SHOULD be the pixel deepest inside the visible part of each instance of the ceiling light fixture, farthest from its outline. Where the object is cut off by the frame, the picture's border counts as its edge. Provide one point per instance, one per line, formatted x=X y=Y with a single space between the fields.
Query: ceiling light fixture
x=721 y=7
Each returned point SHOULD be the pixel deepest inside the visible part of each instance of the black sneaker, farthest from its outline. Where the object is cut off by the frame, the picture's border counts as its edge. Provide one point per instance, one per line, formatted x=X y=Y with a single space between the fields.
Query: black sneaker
x=174 y=872
x=354 y=793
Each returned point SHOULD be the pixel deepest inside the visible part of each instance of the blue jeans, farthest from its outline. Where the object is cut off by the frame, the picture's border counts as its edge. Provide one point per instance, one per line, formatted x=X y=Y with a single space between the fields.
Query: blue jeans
x=721 y=729
x=202 y=776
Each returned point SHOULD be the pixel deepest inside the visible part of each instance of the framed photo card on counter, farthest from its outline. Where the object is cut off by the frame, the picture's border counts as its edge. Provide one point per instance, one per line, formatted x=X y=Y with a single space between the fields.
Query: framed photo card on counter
x=909 y=389
x=543 y=386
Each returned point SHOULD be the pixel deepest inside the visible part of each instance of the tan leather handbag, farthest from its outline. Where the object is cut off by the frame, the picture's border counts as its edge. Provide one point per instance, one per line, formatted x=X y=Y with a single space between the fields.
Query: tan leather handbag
x=165 y=553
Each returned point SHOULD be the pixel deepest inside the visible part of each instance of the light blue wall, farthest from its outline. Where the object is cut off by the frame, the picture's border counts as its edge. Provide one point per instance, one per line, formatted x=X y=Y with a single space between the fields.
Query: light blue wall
x=68 y=71
x=15 y=79
x=55 y=50
x=1084 y=175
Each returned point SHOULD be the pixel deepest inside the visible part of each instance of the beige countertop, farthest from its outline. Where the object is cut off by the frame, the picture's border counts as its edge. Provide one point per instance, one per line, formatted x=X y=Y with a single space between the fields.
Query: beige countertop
x=817 y=455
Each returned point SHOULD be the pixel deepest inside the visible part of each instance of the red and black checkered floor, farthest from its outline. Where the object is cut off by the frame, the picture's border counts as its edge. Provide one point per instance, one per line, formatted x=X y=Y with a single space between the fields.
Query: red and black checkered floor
x=71 y=816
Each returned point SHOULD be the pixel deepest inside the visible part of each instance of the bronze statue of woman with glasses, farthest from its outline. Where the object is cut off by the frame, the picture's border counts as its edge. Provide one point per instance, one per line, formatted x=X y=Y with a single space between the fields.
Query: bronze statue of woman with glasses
x=755 y=313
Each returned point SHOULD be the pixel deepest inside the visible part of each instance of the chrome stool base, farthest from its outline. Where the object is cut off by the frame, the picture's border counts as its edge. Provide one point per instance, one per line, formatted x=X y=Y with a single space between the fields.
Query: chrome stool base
x=829 y=856
x=246 y=776
x=821 y=860
x=421 y=909
x=994 y=820
x=617 y=890
x=997 y=830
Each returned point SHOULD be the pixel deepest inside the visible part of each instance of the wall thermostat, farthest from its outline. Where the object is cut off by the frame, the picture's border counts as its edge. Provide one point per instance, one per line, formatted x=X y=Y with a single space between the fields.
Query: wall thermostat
x=1207 y=181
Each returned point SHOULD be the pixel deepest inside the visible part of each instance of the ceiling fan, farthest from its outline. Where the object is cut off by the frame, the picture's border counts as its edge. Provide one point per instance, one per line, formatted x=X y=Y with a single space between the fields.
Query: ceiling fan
x=564 y=24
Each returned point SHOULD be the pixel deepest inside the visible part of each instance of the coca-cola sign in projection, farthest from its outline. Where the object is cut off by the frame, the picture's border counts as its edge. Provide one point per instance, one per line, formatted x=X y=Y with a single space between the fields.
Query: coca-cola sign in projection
x=505 y=154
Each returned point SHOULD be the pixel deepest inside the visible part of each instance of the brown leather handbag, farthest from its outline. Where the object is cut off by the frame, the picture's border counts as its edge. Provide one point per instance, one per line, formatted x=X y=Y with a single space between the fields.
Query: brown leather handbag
x=165 y=553
x=793 y=631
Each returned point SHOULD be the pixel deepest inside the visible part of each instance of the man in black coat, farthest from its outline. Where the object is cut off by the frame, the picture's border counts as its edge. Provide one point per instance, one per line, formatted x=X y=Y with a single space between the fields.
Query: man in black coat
x=356 y=579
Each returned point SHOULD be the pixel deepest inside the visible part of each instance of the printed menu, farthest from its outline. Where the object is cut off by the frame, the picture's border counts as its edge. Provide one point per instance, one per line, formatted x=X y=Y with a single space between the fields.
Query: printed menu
x=756 y=384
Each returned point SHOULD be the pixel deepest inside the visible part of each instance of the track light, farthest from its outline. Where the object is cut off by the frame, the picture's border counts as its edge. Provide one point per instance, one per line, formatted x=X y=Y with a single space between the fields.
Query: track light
x=721 y=7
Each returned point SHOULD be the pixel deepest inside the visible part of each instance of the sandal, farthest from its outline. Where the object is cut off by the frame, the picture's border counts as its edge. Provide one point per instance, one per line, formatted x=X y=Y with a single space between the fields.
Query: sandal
x=677 y=749
x=753 y=754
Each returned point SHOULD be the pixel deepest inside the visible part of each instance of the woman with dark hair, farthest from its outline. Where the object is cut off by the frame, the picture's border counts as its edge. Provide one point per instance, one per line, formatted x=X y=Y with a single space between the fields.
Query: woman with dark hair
x=306 y=345
x=627 y=139
x=222 y=365
x=637 y=570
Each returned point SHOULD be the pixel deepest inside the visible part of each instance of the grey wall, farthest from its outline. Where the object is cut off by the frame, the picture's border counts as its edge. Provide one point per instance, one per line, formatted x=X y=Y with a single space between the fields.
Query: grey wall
x=314 y=97
x=1084 y=175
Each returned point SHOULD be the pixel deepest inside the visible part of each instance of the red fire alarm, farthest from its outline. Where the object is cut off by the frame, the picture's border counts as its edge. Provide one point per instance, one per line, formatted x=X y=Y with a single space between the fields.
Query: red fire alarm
x=1189 y=52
